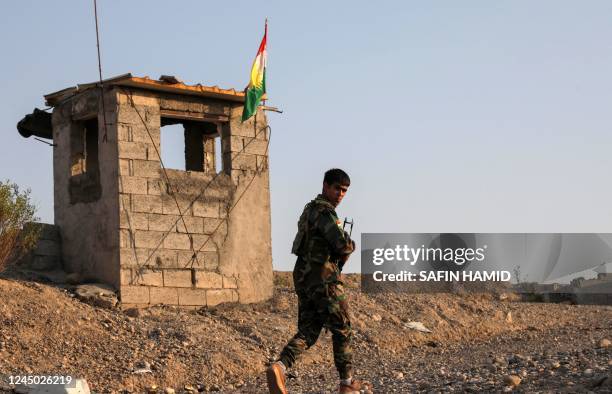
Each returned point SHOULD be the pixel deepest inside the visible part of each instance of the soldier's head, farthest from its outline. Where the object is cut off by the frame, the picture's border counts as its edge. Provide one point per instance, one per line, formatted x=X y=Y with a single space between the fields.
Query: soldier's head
x=335 y=184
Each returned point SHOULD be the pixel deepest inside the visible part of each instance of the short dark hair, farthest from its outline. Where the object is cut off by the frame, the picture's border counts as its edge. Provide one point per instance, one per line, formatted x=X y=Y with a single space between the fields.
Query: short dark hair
x=336 y=175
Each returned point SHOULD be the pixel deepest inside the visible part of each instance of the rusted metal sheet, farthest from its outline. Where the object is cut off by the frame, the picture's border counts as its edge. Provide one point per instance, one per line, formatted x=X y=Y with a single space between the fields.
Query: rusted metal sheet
x=146 y=83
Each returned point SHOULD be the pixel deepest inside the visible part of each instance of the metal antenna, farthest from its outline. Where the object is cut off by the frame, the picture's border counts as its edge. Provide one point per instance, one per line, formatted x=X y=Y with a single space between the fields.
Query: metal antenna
x=100 y=70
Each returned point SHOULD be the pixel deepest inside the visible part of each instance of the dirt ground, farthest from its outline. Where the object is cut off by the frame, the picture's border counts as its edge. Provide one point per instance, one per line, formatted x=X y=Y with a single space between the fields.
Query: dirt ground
x=477 y=342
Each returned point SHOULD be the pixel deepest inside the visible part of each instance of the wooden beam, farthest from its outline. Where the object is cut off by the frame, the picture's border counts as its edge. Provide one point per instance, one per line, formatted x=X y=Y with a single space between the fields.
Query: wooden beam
x=194 y=116
x=84 y=116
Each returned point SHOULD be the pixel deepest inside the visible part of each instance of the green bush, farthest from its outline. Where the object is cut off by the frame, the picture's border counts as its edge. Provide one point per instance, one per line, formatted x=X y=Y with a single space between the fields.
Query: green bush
x=17 y=235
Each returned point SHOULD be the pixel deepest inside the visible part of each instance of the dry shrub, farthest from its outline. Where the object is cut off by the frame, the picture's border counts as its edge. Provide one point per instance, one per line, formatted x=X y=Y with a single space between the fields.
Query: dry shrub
x=17 y=232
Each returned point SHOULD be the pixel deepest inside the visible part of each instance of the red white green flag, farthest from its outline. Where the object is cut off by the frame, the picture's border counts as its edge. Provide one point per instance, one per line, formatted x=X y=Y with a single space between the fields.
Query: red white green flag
x=257 y=83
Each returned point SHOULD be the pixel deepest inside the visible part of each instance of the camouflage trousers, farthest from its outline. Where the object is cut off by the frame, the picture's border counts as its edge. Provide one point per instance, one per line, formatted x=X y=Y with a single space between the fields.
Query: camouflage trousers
x=326 y=306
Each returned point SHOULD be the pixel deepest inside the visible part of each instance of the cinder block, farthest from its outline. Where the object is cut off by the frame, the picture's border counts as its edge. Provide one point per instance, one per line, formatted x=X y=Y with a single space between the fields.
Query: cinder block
x=262 y=163
x=154 y=152
x=133 y=150
x=128 y=115
x=147 y=277
x=164 y=258
x=137 y=221
x=174 y=105
x=236 y=116
x=244 y=130
x=45 y=247
x=177 y=241
x=208 y=209
x=211 y=225
x=125 y=239
x=244 y=161
x=216 y=297
x=146 y=168
x=195 y=225
x=140 y=134
x=132 y=185
x=224 y=210
x=256 y=147
x=130 y=257
x=185 y=259
x=126 y=276
x=148 y=239
x=169 y=205
x=209 y=260
x=125 y=167
x=178 y=177
x=202 y=177
x=220 y=234
x=177 y=278
x=138 y=100
x=125 y=202
x=85 y=104
x=136 y=115
x=192 y=297
x=208 y=280
x=262 y=134
x=124 y=132
x=160 y=222
x=45 y=263
x=185 y=186
x=217 y=192
x=164 y=295
x=234 y=143
x=155 y=187
x=134 y=294
x=47 y=231
x=204 y=243
x=153 y=120
x=230 y=282
x=146 y=203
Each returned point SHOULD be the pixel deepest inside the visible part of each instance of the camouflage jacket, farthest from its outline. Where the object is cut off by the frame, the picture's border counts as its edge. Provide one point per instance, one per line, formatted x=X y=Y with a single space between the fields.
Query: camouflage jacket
x=319 y=244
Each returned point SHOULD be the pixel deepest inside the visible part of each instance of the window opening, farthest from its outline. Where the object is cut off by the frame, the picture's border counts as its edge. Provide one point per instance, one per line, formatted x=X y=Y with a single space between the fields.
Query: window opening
x=84 y=166
x=172 y=146
x=190 y=145
x=84 y=144
x=218 y=152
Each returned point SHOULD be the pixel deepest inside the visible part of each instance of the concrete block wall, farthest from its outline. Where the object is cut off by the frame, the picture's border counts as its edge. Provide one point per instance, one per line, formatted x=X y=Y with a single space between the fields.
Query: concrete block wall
x=47 y=254
x=161 y=226
x=247 y=253
x=88 y=227
x=130 y=234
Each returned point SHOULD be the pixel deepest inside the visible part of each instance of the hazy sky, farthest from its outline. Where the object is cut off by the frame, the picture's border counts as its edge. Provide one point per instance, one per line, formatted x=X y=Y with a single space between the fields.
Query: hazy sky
x=450 y=116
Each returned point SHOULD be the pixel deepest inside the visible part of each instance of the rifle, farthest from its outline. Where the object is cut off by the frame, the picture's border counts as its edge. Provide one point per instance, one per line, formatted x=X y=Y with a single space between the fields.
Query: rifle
x=348 y=222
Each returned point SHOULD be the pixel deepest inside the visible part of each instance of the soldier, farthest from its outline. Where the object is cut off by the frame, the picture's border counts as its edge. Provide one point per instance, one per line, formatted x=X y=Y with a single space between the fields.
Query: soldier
x=322 y=248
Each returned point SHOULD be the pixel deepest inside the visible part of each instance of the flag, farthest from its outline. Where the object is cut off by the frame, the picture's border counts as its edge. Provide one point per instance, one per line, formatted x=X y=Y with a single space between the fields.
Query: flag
x=257 y=83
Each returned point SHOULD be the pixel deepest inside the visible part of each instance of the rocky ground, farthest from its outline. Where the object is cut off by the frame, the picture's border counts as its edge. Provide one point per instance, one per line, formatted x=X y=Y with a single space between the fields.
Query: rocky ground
x=477 y=343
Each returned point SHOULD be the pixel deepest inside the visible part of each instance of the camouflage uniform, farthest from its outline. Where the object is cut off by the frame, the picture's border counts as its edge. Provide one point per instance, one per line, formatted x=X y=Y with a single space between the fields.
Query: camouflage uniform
x=322 y=302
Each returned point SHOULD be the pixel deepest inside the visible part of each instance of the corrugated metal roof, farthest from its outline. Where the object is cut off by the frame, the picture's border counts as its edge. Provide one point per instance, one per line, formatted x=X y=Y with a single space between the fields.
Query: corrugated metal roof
x=147 y=83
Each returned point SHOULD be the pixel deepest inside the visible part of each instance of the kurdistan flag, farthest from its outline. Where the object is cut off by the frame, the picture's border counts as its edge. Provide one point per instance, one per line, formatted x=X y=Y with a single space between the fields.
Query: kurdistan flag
x=257 y=83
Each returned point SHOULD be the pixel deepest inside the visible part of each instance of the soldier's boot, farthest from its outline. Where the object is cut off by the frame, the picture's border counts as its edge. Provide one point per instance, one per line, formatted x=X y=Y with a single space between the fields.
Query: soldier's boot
x=276 y=378
x=355 y=387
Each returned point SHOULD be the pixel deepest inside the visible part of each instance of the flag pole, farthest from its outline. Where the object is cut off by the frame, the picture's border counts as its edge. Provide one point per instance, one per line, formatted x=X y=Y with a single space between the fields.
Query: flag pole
x=266 y=35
